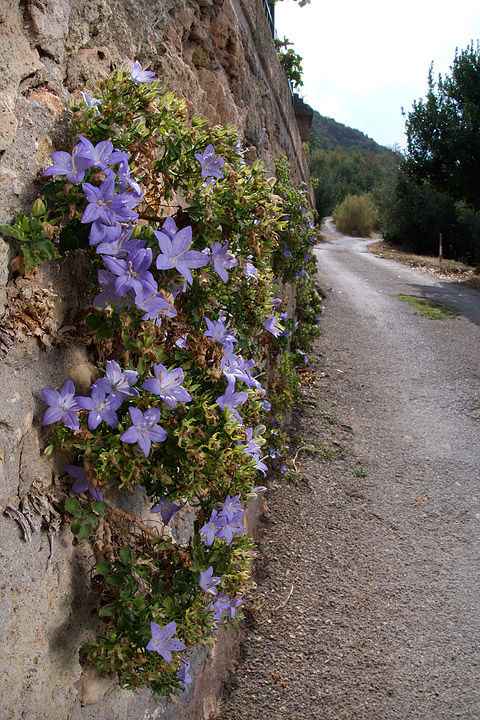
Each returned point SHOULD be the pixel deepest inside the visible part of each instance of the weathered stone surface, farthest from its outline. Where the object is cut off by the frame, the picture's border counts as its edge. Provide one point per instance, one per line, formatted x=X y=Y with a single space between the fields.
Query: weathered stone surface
x=220 y=57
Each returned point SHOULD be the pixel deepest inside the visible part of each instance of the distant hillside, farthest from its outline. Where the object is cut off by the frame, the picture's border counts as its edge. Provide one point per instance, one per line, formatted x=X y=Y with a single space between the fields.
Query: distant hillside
x=344 y=162
x=327 y=134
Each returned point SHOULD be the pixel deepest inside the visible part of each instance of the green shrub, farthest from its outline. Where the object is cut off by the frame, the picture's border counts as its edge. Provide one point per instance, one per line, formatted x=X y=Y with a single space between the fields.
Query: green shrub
x=356 y=215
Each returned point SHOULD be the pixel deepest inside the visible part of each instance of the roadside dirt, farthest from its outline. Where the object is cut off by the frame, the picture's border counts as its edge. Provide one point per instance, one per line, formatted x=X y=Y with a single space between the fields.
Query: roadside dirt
x=367 y=597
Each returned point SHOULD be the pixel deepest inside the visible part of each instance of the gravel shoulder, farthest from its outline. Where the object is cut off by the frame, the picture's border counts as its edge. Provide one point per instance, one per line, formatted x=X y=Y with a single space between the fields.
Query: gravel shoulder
x=367 y=602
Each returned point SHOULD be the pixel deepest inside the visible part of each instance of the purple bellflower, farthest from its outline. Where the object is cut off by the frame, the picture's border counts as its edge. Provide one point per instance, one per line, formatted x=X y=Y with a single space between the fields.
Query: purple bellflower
x=210 y=164
x=118 y=382
x=231 y=399
x=118 y=243
x=229 y=529
x=138 y=74
x=104 y=204
x=232 y=508
x=102 y=154
x=108 y=296
x=152 y=304
x=270 y=324
x=167 y=510
x=174 y=252
x=73 y=166
x=208 y=583
x=222 y=259
x=210 y=529
x=167 y=384
x=83 y=482
x=63 y=406
x=184 y=675
x=218 y=331
x=144 y=430
x=101 y=408
x=163 y=641
x=90 y=102
x=132 y=273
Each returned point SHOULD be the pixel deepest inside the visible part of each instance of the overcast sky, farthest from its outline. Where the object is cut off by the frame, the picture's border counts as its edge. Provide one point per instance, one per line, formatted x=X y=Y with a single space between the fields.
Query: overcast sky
x=364 y=61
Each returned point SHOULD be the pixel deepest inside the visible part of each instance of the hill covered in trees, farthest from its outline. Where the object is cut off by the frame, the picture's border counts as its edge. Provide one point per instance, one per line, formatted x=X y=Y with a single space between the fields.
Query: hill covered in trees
x=328 y=134
x=344 y=161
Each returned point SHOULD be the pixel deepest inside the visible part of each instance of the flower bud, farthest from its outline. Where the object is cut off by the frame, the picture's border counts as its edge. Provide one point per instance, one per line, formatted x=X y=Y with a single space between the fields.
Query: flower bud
x=38 y=208
x=137 y=229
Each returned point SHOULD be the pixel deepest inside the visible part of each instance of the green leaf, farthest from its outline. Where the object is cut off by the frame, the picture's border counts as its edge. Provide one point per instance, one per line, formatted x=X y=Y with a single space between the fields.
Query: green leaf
x=99 y=507
x=104 y=331
x=11 y=231
x=141 y=366
x=71 y=505
x=103 y=568
x=126 y=555
x=30 y=260
x=107 y=610
x=116 y=580
x=93 y=321
x=168 y=604
x=84 y=532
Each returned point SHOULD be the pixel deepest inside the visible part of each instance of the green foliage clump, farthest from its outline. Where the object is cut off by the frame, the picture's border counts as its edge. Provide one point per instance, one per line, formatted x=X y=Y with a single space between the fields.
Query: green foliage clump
x=413 y=216
x=443 y=131
x=208 y=449
x=356 y=215
x=290 y=61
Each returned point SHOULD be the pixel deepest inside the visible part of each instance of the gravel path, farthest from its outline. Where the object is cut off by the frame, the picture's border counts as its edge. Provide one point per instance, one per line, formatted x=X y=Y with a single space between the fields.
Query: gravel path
x=367 y=602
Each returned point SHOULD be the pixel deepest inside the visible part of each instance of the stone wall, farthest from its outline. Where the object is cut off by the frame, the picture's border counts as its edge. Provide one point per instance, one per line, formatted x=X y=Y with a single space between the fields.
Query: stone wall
x=219 y=56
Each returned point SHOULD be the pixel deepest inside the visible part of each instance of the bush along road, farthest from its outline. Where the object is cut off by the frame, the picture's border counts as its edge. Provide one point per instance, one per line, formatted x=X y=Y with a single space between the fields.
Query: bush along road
x=367 y=598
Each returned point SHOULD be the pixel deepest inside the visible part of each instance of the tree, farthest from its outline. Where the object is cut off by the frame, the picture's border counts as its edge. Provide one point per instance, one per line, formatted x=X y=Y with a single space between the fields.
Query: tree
x=443 y=131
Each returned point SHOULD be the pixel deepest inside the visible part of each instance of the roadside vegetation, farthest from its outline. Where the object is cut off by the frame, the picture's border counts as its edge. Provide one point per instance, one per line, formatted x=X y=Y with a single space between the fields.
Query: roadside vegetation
x=431 y=190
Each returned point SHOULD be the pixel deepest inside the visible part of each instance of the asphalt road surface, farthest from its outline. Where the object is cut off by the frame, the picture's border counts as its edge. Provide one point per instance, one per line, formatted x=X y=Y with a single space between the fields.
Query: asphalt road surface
x=367 y=605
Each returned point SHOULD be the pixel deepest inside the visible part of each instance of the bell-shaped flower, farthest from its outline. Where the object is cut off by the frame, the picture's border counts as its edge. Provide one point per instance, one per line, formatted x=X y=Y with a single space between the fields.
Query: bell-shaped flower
x=132 y=272
x=208 y=582
x=167 y=510
x=63 y=406
x=73 y=166
x=101 y=407
x=174 y=252
x=167 y=384
x=138 y=74
x=210 y=163
x=144 y=430
x=104 y=204
x=222 y=259
x=83 y=482
x=163 y=641
x=118 y=382
x=102 y=154
x=231 y=399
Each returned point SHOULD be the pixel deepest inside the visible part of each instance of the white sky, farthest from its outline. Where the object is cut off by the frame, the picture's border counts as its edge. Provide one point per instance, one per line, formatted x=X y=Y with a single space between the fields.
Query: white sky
x=364 y=61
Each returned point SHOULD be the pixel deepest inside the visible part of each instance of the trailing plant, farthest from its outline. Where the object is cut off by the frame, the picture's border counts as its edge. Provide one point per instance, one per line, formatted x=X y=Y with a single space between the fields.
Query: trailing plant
x=290 y=61
x=184 y=240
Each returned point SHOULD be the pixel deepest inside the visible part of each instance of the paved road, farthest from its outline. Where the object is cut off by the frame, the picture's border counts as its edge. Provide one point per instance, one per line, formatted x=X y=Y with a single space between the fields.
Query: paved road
x=367 y=603
x=413 y=387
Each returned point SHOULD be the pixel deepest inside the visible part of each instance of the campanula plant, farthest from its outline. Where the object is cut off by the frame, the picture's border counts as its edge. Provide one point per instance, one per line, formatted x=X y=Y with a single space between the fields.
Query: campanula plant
x=182 y=235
